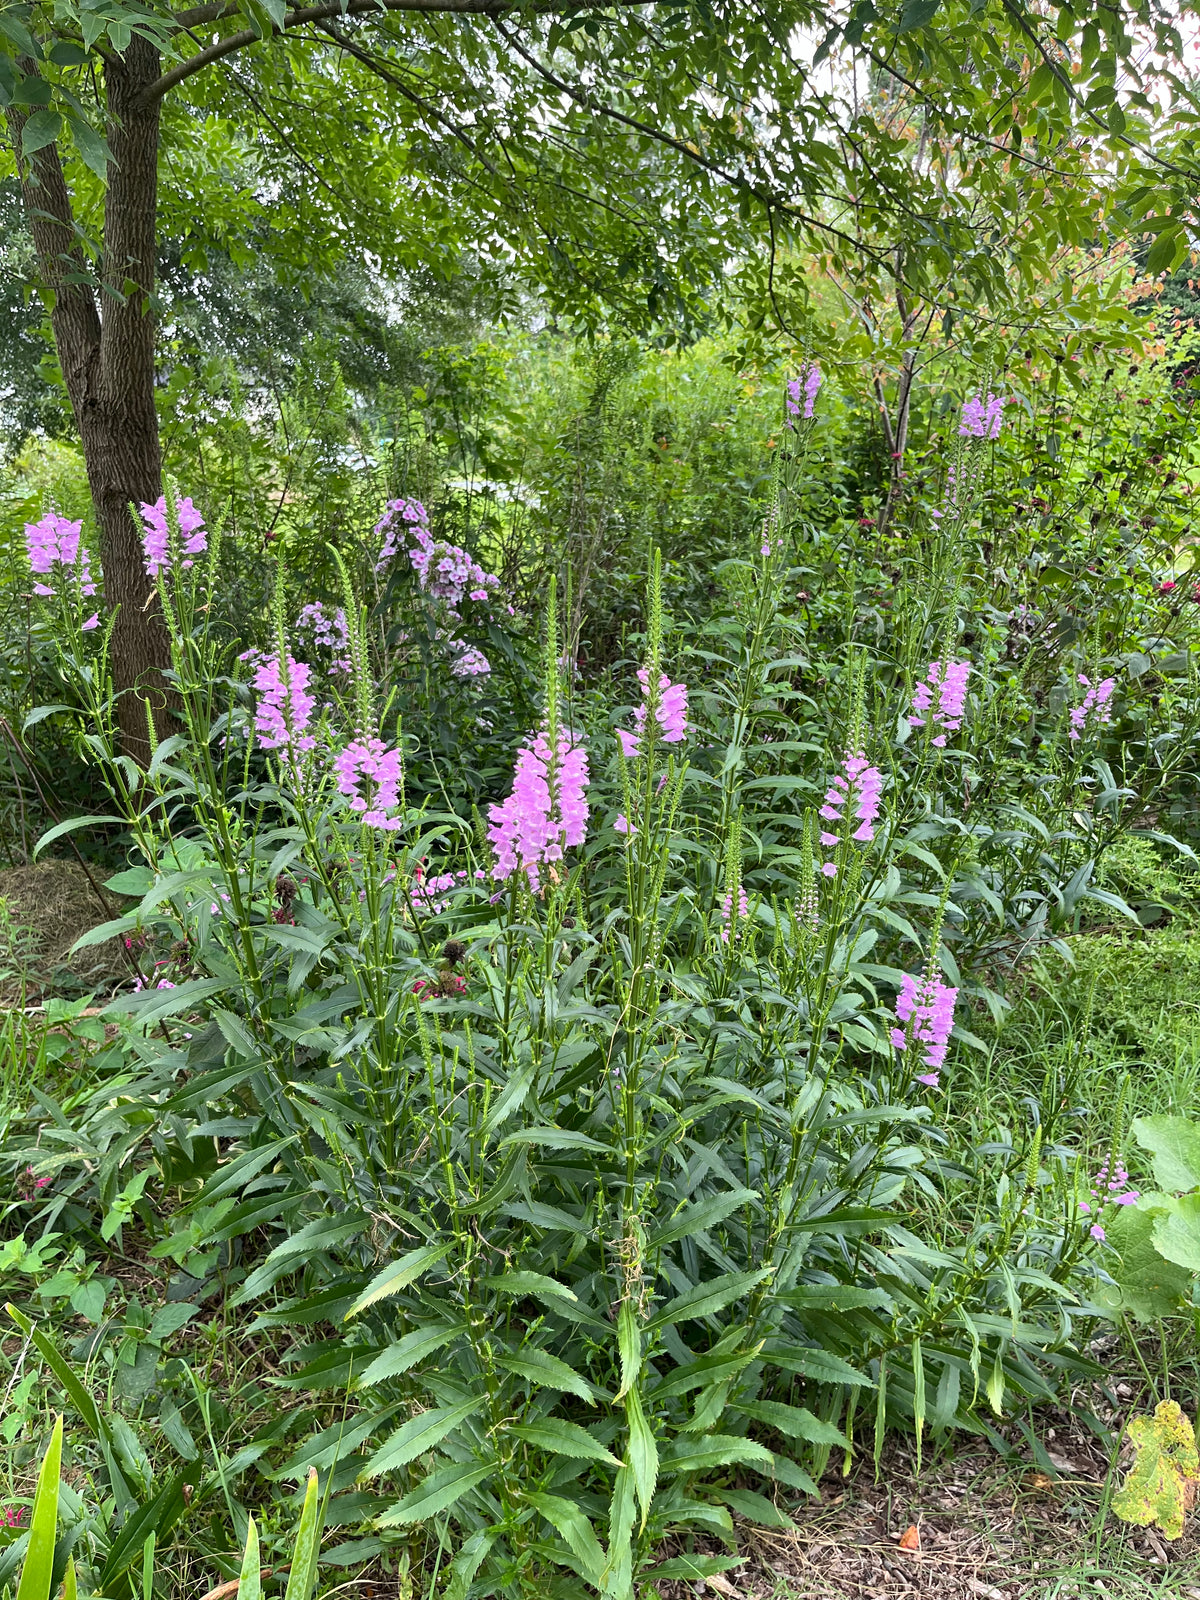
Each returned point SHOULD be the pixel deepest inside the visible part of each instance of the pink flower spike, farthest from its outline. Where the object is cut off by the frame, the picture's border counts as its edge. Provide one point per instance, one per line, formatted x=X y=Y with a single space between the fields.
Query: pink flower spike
x=929 y=1079
x=92 y=622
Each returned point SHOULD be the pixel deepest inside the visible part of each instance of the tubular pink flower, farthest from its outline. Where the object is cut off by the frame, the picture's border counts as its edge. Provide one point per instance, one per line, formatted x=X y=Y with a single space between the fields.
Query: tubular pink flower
x=928 y=1005
x=285 y=707
x=860 y=786
x=982 y=419
x=671 y=717
x=368 y=774
x=807 y=385
x=156 y=539
x=546 y=812
x=729 y=917
x=941 y=698
x=56 y=542
x=1092 y=710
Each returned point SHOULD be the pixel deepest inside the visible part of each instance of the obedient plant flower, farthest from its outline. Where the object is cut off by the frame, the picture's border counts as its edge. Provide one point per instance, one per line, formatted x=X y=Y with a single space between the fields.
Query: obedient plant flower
x=925 y=1012
x=545 y=814
x=285 y=707
x=326 y=627
x=859 y=786
x=368 y=774
x=55 y=542
x=445 y=572
x=1092 y=710
x=982 y=419
x=941 y=697
x=730 y=918
x=1108 y=1190
x=156 y=537
x=802 y=393
x=669 y=716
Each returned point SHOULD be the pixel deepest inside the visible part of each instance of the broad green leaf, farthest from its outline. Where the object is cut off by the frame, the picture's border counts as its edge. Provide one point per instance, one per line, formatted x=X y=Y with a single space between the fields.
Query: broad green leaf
x=716 y=1450
x=698 y=1218
x=820 y=1365
x=416 y=1436
x=535 y=1284
x=435 y=1494
x=406 y=1352
x=1147 y=1286
x=545 y=1371
x=1174 y=1144
x=756 y=1508
x=642 y=1454
x=1176 y=1233
x=565 y=1517
x=795 y=1422
x=707 y=1298
x=562 y=1438
x=399 y=1275
x=43 y=128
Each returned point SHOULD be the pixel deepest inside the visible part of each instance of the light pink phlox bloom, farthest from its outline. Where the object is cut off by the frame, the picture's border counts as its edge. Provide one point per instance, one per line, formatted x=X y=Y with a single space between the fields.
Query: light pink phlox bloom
x=285 y=706
x=468 y=661
x=928 y=1004
x=1093 y=709
x=156 y=539
x=327 y=628
x=982 y=419
x=805 y=385
x=941 y=698
x=397 y=521
x=368 y=774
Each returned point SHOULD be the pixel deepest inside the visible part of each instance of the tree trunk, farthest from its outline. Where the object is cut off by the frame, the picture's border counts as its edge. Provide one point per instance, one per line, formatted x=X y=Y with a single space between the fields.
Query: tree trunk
x=106 y=352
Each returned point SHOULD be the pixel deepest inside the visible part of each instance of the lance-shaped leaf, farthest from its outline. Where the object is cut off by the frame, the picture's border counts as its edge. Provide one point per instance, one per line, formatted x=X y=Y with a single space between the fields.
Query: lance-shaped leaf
x=399 y=1275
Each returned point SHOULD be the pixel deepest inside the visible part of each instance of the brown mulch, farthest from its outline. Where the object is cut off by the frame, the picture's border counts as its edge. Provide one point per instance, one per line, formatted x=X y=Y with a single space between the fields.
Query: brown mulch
x=50 y=904
x=988 y=1529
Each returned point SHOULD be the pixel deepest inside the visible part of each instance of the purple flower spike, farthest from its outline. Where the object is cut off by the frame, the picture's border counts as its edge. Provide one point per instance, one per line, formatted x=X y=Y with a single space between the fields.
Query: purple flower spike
x=156 y=537
x=929 y=1004
x=1093 y=709
x=545 y=814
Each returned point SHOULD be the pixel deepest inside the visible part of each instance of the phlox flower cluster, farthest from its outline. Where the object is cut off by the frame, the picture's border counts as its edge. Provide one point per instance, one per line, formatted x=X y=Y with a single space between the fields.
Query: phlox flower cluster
x=546 y=812
x=982 y=419
x=326 y=627
x=156 y=536
x=1108 y=1190
x=802 y=393
x=445 y=572
x=940 y=698
x=56 y=542
x=730 y=918
x=925 y=1012
x=285 y=706
x=1092 y=710
x=671 y=716
x=432 y=890
x=368 y=774
x=859 y=786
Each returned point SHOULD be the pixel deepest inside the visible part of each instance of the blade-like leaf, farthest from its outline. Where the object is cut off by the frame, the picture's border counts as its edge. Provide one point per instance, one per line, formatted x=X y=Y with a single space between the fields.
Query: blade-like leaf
x=545 y=1371
x=399 y=1275
x=37 y=1571
x=416 y=1436
x=436 y=1493
x=303 y=1575
x=250 y=1581
x=562 y=1438
x=414 y=1347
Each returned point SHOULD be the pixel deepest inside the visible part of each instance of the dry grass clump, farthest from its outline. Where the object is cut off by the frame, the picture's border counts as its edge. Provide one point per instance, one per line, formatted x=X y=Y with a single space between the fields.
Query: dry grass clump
x=45 y=908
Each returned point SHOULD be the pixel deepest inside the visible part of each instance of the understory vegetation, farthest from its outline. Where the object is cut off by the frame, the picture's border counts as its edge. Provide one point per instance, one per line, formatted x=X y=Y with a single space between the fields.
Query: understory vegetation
x=630 y=981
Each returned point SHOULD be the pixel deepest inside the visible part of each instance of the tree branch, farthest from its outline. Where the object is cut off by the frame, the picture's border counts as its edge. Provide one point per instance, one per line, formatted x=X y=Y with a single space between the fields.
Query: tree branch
x=199 y=16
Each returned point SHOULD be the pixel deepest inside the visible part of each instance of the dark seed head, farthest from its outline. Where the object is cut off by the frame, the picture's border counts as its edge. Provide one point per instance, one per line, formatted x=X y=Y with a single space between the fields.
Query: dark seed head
x=454 y=951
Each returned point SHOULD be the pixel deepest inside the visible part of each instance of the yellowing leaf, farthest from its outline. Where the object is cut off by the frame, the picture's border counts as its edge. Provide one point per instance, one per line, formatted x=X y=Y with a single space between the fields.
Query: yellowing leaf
x=1160 y=1486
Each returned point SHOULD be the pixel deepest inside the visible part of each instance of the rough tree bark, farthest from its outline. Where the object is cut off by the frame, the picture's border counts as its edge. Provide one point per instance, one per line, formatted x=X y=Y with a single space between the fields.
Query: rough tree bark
x=104 y=332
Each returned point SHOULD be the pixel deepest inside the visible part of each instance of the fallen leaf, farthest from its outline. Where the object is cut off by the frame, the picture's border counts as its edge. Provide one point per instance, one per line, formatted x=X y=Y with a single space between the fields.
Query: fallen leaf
x=910 y=1540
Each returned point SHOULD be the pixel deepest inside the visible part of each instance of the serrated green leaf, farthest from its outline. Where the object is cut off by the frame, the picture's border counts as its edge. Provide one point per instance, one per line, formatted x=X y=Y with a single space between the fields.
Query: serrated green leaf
x=562 y=1438
x=435 y=1494
x=399 y=1275
x=416 y=1436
